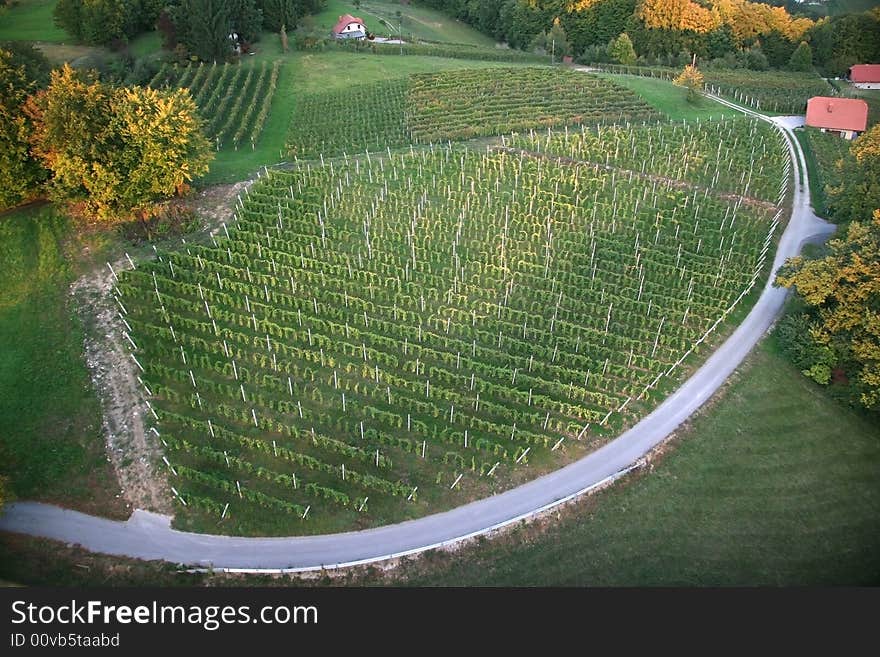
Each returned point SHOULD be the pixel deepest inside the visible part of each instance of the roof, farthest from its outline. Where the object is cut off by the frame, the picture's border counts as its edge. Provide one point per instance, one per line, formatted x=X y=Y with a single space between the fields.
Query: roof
x=864 y=73
x=837 y=113
x=344 y=21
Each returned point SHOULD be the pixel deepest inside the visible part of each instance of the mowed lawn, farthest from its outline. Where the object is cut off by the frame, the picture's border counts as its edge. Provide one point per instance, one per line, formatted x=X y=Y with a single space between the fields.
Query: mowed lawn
x=31 y=20
x=51 y=442
x=774 y=484
x=671 y=100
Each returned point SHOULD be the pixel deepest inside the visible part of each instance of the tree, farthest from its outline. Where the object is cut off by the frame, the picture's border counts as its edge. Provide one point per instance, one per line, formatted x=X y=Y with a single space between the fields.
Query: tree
x=246 y=19
x=4 y=491
x=165 y=25
x=36 y=66
x=66 y=15
x=557 y=40
x=801 y=58
x=842 y=294
x=858 y=193
x=116 y=151
x=621 y=50
x=692 y=80
x=164 y=145
x=203 y=26
x=20 y=174
x=95 y=22
x=280 y=12
x=755 y=59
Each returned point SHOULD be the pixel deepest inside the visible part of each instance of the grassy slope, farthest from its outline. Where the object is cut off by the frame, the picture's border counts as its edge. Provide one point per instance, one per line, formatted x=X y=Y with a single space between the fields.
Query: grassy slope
x=776 y=484
x=50 y=421
x=418 y=22
x=671 y=100
x=31 y=20
x=822 y=151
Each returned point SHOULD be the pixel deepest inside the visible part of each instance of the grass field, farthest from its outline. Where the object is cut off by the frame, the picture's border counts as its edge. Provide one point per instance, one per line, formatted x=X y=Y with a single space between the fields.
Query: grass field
x=51 y=443
x=415 y=22
x=671 y=100
x=31 y=20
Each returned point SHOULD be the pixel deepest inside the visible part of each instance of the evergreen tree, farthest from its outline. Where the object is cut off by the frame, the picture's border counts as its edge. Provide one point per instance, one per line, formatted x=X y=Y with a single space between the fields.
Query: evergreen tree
x=203 y=26
x=280 y=12
x=246 y=19
x=801 y=58
x=621 y=50
x=557 y=41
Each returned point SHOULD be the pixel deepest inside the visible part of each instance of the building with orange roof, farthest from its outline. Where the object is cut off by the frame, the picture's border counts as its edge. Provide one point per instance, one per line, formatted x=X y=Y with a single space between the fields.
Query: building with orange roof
x=349 y=27
x=865 y=76
x=847 y=117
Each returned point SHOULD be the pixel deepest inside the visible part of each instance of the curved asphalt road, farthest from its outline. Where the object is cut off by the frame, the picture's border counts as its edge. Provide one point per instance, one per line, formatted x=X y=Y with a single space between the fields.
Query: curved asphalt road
x=149 y=536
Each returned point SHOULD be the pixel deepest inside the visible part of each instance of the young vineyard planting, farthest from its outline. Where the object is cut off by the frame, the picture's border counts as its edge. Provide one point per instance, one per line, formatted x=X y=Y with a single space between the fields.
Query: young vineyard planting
x=386 y=336
x=455 y=105
x=737 y=155
x=233 y=99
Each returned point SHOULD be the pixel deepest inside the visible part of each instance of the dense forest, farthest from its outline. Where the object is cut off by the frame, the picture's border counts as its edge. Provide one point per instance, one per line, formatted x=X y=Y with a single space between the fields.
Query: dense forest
x=735 y=33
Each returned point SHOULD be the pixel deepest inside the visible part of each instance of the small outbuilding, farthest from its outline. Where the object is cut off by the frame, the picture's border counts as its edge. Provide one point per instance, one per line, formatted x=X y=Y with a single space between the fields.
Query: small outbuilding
x=847 y=117
x=350 y=27
x=865 y=76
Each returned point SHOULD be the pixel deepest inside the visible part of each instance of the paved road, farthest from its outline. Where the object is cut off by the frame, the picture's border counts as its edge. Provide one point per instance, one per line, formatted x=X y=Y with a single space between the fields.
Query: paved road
x=149 y=536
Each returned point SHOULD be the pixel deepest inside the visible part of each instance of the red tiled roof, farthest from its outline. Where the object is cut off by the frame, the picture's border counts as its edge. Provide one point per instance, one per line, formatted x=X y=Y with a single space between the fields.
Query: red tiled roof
x=344 y=21
x=864 y=73
x=837 y=113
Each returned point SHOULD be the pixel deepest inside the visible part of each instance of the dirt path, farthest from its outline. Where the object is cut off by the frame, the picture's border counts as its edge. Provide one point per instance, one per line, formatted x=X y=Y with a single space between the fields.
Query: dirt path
x=132 y=448
x=216 y=204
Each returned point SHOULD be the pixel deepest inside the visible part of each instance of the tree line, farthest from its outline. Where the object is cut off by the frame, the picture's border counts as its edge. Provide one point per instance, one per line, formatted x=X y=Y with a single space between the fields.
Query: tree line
x=833 y=333
x=733 y=33
x=199 y=27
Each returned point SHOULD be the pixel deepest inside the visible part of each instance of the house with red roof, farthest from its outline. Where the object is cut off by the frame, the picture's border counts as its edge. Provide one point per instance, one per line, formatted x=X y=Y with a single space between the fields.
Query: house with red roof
x=847 y=117
x=349 y=27
x=865 y=76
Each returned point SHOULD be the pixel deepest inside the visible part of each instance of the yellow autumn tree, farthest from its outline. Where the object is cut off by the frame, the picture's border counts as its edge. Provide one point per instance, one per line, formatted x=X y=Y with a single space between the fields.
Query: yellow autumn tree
x=691 y=79
x=676 y=15
x=842 y=294
x=116 y=151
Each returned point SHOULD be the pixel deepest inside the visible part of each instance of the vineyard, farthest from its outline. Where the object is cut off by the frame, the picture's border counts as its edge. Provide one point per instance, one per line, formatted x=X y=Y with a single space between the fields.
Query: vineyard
x=768 y=91
x=384 y=336
x=734 y=155
x=234 y=100
x=436 y=107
